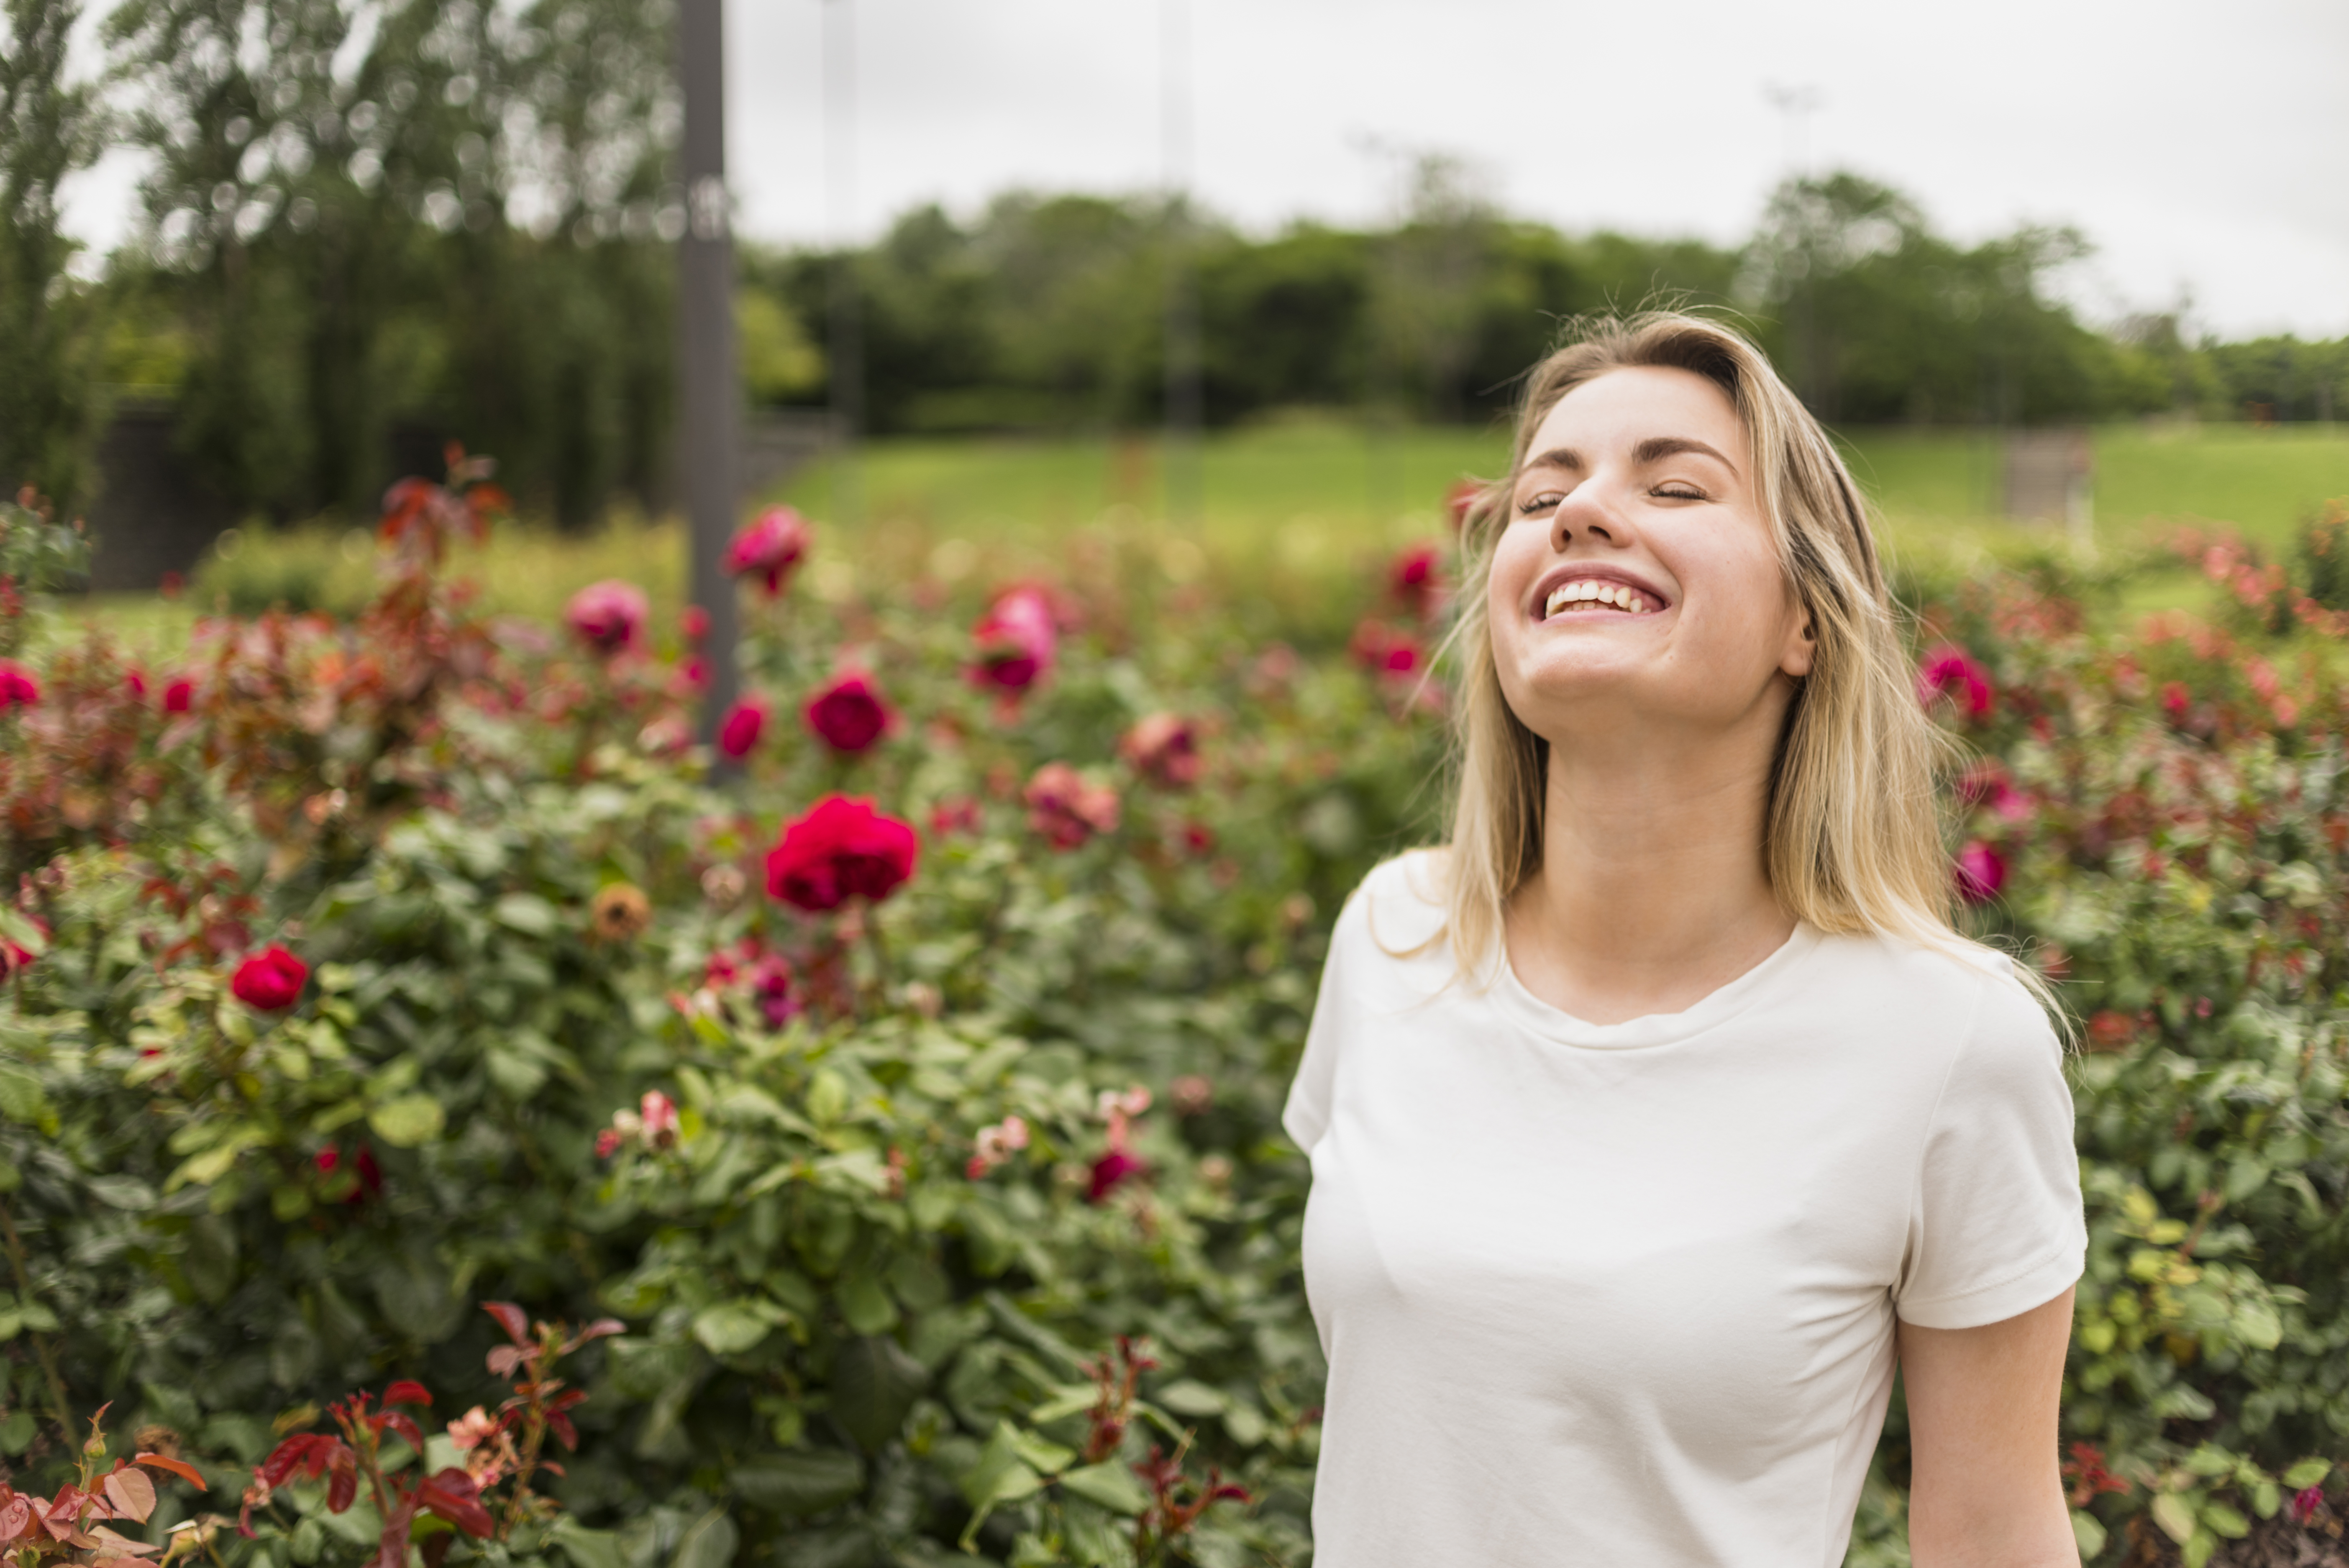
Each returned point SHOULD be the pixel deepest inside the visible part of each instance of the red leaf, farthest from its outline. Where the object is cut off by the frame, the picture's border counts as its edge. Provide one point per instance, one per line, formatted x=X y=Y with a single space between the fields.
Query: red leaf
x=343 y=1486
x=452 y=1495
x=308 y=1452
x=179 y=1467
x=513 y=1319
x=129 y=1491
x=596 y=1329
x=504 y=1360
x=407 y=1391
x=560 y=1424
x=406 y=1428
x=15 y=1518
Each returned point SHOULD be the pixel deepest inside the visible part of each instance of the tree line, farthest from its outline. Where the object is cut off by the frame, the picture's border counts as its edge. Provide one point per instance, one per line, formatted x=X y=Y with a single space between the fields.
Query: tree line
x=373 y=224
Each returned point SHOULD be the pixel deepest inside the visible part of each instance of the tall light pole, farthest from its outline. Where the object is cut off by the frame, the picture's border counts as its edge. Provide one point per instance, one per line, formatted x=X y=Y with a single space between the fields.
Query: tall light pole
x=847 y=371
x=1184 y=411
x=711 y=404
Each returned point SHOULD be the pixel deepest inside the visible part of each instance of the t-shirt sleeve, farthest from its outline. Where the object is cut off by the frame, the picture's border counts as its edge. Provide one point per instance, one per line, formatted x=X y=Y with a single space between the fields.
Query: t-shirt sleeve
x=1996 y=1228
x=1307 y=1116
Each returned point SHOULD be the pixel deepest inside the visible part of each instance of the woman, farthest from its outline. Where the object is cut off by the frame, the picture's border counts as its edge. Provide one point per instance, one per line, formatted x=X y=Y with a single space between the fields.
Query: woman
x=1655 y=1118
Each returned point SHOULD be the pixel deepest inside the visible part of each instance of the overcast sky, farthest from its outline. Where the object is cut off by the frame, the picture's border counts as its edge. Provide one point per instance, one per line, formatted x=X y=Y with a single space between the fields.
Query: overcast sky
x=2203 y=147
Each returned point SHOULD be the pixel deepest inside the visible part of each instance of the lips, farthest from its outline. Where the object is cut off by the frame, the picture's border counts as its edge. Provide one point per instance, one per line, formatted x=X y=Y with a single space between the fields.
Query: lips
x=1602 y=590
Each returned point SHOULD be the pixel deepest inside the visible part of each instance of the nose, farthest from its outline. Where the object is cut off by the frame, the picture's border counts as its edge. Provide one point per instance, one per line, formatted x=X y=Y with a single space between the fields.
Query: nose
x=1585 y=512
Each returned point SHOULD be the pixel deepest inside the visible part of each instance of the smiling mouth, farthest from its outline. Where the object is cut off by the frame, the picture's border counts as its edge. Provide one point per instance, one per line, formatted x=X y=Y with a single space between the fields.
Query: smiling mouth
x=1596 y=594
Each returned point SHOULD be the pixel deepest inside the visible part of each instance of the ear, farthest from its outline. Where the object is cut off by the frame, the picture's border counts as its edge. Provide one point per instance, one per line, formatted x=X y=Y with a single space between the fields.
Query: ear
x=1802 y=645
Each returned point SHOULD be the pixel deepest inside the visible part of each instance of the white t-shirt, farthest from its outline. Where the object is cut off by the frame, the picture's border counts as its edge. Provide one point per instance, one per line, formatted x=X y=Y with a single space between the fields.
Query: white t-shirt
x=1624 y=1294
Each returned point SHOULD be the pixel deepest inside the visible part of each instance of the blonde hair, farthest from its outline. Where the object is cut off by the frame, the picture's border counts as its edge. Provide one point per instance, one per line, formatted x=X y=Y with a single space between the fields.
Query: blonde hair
x=1853 y=839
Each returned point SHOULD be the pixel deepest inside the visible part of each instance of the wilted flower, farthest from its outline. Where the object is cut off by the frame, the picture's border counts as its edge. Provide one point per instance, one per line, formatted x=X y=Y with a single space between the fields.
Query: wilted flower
x=1217 y=1171
x=1017 y=641
x=848 y=716
x=17 y=687
x=608 y=617
x=620 y=912
x=473 y=1428
x=769 y=547
x=1163 y=748
x=1066 y=809
x=1980 y=872
x=739 y=731
x=270 y=980
x=653 y=1123
x=996 y=1143
x=1191 y=1094
x=1985 y=784
x=2306 y=1502
x=1951 y=672
x=1117 y=1163
x=841 y=849
x=1111 y=1170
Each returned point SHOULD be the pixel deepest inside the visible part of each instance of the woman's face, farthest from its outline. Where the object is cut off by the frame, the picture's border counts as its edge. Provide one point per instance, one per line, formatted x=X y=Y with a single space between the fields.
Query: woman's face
x=1635 y=581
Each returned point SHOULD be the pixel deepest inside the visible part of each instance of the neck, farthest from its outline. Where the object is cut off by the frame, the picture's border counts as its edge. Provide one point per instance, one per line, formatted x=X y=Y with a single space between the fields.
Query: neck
x=1652 y=892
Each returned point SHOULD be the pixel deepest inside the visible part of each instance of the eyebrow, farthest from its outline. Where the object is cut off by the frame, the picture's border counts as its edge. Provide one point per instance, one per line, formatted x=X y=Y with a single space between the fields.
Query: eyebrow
x=1652 y=450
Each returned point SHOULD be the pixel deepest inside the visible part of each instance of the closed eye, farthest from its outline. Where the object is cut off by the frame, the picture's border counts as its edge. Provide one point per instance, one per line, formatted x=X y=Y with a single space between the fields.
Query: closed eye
x=1680 y=492
x=1542 y=501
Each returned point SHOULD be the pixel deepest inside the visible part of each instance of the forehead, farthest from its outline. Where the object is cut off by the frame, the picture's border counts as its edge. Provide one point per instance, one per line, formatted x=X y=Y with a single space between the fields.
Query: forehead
x=1619 y=409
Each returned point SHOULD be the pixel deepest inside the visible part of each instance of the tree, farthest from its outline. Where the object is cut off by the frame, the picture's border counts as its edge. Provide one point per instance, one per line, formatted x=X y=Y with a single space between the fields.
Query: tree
x=48 y=128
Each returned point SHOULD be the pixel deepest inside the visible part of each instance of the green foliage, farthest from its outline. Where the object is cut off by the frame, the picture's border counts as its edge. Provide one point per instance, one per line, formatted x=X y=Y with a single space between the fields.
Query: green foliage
x=48 y=128
x=962 y=1220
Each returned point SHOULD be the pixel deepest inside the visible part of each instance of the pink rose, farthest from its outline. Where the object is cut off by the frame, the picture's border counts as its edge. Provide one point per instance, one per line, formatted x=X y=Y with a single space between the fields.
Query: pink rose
x=1163 y=748
x=769 y=547
x=1951 y=672
x=1017 y=641
x=608 y=617
x=1066 y=809
x=1980 y=872
x=17 y=687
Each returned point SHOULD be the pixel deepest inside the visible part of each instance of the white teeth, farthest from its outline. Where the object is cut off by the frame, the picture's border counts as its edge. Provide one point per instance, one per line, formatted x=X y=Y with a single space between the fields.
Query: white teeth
x=1592 y=591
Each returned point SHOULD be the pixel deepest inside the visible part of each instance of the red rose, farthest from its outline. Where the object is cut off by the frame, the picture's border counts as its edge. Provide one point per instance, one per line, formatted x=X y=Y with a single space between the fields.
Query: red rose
x=369 y=1176
x=180 y=695
x=15 y=957
x=739 y=732
x=1109 y=1171
x=1950 y=671
x=849 y=715
x=841 y=849
x=1067 y=810
x=1017 y=641
x=1417 y=580
x=1980 y=872
x=608 y=617
x=1163 y=748
x=17 y=687
x=270 y=980
x=769 y=547
x=957 y=815
x=1384 y=651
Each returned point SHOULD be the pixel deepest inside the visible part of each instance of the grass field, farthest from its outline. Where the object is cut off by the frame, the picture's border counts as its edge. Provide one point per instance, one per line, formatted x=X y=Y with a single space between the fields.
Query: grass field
x=1292 y=513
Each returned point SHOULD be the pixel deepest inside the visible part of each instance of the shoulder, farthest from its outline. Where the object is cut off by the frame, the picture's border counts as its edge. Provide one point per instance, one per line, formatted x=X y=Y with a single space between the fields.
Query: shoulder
x=1967 y=995
x=1401 y=906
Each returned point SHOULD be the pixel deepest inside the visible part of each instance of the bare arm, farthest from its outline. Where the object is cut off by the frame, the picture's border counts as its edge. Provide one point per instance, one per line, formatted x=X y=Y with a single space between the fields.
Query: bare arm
x=1984 y=1490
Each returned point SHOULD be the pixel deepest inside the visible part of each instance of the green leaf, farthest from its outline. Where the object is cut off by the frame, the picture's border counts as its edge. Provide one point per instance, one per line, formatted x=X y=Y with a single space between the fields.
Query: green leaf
x=21 y=1099
x=2307 y=1473
x=2174 y=1515
x=1000 y=1475
x=2256 y=1322
x=1110 y=1484
x=2198 y=1550
x=827 y=1098
x=866 y=1305
x=799 y=1482
x=587 y=1548
x=407 y=1121
x=873 y=1384
x=2089 y=1532
x=729 y=1328
x=1046 y=1456
x=1066 y=1400
x=1189 y=1398
x=2224 y=1520
x=709 y=1543
x=527 y=913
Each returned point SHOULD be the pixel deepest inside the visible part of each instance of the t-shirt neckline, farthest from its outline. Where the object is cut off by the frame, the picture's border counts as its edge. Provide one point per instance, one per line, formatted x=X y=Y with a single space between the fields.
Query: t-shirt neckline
x=1724 y=1002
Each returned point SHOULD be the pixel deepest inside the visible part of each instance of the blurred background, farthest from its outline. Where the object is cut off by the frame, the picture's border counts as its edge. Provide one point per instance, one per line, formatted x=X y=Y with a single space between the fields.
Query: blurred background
x=1252 y=277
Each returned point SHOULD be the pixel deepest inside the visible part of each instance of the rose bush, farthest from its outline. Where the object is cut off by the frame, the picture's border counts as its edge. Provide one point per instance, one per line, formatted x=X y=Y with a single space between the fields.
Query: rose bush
x=916 y=1106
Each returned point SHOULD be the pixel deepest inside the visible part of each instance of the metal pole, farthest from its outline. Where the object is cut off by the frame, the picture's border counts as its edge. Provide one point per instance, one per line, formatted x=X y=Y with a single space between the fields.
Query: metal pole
x=1183 y=411
x=846 y=372
x=710 y=403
